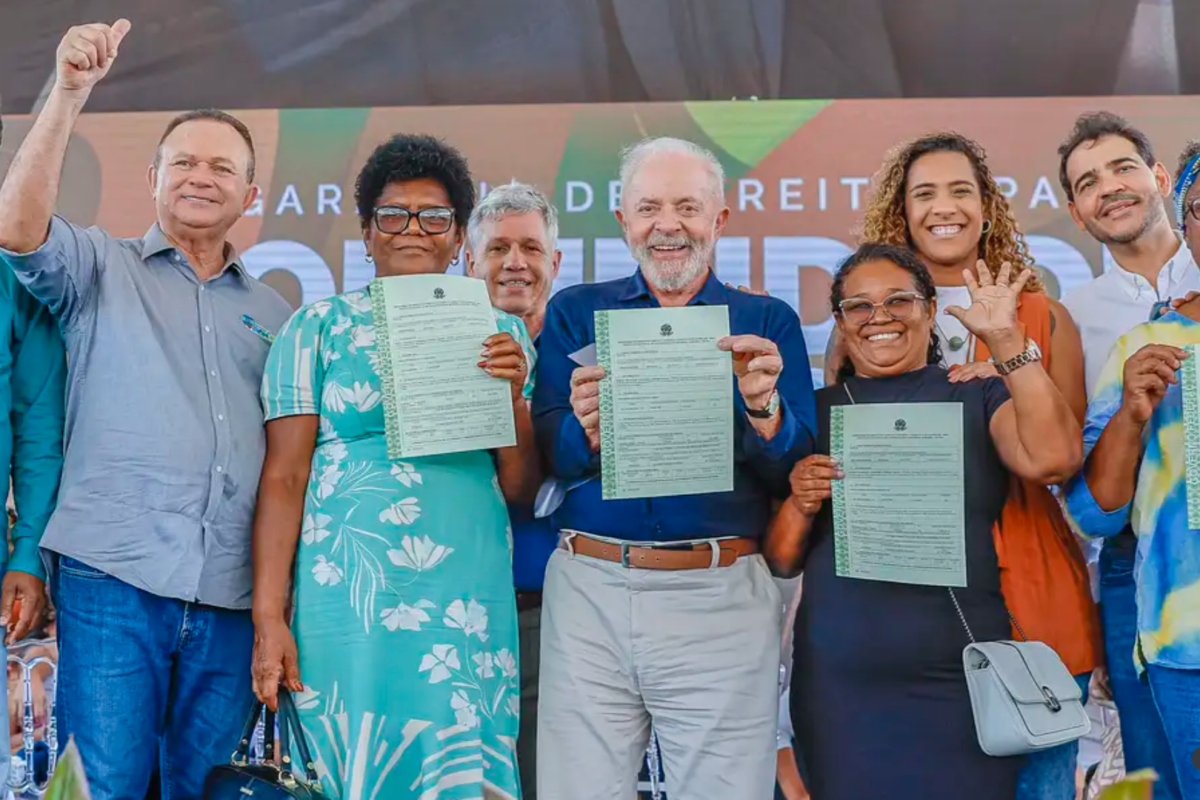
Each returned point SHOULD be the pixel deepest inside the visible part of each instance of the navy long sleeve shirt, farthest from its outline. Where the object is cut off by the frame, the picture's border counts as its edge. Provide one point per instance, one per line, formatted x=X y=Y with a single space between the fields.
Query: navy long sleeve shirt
x=760 y=467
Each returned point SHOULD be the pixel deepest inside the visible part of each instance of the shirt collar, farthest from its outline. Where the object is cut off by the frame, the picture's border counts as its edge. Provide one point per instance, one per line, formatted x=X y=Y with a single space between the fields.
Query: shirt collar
x=155 y=242
x=1179 y=266
x=711 y=293
x=1169 y=277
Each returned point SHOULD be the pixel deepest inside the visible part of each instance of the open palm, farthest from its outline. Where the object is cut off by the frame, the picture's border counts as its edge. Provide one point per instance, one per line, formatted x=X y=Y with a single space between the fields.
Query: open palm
x=993 y=301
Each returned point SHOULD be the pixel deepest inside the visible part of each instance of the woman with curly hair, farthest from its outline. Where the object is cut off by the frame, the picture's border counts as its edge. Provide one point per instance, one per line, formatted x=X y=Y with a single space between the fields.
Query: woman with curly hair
x=403 y=645
x=936 y=195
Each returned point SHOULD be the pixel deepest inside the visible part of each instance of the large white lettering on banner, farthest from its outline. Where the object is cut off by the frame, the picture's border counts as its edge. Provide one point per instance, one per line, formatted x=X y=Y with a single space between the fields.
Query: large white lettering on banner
x=783 y=257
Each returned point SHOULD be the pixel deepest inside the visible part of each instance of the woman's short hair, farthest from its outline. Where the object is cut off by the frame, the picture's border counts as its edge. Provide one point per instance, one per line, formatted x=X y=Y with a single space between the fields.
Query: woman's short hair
x=410 y=157
x=905 y=259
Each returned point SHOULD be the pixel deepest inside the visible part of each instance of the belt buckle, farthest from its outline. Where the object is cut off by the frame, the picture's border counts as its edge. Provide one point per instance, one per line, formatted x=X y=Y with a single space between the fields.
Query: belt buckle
x=625 y=555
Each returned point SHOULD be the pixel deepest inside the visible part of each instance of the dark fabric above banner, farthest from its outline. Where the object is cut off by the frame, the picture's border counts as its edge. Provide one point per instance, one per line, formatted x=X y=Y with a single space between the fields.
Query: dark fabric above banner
x=339 y=53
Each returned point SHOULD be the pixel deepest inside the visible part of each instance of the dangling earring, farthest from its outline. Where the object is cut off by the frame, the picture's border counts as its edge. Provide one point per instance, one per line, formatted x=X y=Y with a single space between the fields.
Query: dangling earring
x=370 y=258
x=454 y=261
x=987 y=227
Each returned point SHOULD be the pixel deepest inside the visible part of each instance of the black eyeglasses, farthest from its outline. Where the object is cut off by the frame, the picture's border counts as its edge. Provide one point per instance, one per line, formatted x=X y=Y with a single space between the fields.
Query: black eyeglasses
x=898 y=307
x=1193 y=209
x=395 y=219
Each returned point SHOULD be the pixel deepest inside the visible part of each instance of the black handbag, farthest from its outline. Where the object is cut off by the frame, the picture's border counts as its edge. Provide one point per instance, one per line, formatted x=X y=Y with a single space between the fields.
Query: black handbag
x=240 y=779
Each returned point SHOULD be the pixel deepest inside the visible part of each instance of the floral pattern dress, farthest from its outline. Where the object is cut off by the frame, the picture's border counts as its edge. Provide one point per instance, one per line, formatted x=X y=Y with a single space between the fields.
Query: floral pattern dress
x=405 y=616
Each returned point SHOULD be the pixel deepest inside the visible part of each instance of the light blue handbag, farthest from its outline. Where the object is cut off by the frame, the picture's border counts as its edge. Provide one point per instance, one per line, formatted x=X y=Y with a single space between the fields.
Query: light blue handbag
x=1022 y=695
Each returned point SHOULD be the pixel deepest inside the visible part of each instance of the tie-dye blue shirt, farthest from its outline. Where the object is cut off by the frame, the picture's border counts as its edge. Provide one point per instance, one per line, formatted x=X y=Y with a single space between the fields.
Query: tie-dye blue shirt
x=1167 y=568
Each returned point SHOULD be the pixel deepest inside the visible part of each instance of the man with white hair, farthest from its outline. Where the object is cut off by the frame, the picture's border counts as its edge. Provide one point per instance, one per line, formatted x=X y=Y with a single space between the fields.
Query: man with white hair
x=638 y=626
x=512 y=240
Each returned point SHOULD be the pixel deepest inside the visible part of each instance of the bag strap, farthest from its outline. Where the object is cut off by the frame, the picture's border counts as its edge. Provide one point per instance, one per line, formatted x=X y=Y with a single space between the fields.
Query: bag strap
x=289 y=726
x=290 y=722
x=963 y=618
x=241 y=756
x=269 y=735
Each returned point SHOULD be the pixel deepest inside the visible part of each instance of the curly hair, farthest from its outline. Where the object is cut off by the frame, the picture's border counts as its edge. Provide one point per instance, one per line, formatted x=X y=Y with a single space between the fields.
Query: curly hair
x=887 y=223
x=905 y=259
x=410 y=157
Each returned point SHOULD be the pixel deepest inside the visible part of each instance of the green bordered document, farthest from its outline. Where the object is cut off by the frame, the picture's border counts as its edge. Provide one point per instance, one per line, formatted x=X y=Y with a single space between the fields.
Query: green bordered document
x=429 y=332
x=1191 y=433
x=898 y=515
x=666 y=403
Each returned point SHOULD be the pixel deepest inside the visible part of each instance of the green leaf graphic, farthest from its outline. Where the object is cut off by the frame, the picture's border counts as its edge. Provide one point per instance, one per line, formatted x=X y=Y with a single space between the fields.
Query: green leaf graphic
x=747 y=130
x=68 y=781
x=1134 y=786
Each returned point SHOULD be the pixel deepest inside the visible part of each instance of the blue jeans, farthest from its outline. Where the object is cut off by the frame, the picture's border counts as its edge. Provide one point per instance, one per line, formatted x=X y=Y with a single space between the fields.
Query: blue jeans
x=144 y=679
x=1050 y=774
x=1142 y=736
x=1177 y=697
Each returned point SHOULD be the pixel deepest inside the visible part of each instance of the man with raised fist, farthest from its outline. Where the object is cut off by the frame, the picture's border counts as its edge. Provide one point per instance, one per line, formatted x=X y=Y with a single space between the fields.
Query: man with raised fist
x=167 y=335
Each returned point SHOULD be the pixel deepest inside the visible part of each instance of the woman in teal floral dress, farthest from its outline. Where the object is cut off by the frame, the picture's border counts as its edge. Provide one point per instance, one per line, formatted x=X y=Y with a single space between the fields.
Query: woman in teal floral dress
x=402 y=651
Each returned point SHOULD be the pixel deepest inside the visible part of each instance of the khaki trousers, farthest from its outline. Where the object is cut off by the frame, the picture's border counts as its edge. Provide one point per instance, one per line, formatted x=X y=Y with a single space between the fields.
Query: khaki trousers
x=696 y=652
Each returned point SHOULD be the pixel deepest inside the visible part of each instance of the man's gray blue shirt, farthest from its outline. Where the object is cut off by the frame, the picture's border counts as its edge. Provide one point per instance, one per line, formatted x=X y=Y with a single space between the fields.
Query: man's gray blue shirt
x=164 y=434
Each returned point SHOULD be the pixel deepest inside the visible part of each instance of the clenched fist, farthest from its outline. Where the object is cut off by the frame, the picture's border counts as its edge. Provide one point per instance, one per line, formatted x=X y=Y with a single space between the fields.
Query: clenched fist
x=86 y=54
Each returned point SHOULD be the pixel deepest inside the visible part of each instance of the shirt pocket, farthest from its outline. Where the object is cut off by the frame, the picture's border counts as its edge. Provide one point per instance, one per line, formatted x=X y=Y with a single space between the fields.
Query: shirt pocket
x=247 y=350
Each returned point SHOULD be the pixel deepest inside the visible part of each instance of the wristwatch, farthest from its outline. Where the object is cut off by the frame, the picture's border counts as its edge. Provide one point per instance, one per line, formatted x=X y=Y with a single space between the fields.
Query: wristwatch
x=1030 y=354
x=769 y=411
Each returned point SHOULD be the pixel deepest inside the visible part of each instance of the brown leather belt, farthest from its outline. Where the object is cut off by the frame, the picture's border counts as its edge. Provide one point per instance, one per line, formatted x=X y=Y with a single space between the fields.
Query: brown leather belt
x=661 y=556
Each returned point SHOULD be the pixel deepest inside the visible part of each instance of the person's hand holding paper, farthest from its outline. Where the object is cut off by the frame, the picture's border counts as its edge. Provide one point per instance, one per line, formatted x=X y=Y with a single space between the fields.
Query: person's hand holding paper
x=585 y=402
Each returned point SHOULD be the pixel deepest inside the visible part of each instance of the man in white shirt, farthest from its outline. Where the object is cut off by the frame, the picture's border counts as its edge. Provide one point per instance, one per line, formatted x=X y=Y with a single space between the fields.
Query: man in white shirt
x=1119 y=193
x=1121 y=201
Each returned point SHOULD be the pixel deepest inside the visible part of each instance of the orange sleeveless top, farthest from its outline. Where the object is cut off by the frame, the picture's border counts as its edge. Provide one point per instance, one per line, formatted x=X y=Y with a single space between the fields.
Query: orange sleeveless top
x=1043 y=575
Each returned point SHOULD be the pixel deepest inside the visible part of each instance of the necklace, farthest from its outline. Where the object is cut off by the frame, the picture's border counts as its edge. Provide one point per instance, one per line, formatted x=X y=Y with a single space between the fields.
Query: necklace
x=955 y=343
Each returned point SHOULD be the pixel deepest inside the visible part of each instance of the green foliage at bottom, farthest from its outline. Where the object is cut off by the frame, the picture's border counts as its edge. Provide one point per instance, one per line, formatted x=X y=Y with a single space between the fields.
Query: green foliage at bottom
x=68 y=781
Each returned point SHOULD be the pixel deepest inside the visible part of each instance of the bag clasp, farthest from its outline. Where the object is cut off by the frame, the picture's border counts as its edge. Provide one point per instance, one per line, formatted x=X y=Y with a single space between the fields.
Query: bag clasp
x=1051 y=700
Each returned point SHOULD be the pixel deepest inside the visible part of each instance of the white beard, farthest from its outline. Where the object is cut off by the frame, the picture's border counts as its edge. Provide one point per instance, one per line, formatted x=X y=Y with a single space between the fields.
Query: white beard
x=673 y=277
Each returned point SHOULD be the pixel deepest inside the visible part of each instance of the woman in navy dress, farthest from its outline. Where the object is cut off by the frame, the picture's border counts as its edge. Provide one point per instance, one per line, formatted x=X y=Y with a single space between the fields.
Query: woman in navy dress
x=879 y=698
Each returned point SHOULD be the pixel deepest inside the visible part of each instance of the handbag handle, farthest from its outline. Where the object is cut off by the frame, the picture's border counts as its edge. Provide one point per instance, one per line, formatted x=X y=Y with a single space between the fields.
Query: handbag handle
x=289 y=719
x=241 y=756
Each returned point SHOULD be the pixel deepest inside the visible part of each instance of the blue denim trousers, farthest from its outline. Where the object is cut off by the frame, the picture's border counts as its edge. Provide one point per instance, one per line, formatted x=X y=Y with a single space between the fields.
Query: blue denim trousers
x=146 y=681
x=1142 y=735
x=1177 y=696
x=1050 y=774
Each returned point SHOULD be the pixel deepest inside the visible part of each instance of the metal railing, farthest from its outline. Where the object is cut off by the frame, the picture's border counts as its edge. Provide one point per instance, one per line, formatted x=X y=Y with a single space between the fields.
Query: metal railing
x=22 y=774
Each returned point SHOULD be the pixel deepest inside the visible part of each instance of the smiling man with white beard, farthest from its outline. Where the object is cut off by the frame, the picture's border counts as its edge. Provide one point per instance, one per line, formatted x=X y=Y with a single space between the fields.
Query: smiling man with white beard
x=680 y=638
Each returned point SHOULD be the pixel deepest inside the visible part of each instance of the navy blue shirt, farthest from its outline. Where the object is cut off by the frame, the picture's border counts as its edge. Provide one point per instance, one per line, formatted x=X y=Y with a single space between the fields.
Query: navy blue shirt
x=534 y=541
x=760 y=468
